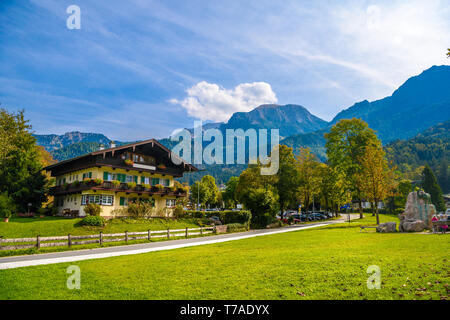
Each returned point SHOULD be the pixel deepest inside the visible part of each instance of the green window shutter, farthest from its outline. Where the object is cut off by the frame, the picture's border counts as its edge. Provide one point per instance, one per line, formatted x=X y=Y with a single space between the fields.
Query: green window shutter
x=122 y=201
x=90 y=174
x=135 y=179
x=167 y=182
x=105 y=176
x=155 y=181
x=142 y=179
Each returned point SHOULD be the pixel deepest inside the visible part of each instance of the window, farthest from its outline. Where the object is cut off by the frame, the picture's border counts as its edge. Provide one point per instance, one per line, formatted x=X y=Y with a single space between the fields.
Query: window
x=101 y=199
x=166 y=182
x=170 y=203
x=155 y=181
x=86 y=175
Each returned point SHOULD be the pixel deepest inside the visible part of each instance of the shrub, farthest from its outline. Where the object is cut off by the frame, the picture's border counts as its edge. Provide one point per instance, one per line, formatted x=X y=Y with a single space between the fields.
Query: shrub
x=145 y=186
x=399 y=210
x=98 y=181
x=128 y=162
x=76 y=183
x=159 y=186
x=178 y=212
x=228 y=216
x=95 y=221
x=92 y=209
x=236 y=227
x=140 y=209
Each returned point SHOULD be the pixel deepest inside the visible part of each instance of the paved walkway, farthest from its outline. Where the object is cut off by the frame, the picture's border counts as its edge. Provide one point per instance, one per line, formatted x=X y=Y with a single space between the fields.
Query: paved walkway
x=98 y=253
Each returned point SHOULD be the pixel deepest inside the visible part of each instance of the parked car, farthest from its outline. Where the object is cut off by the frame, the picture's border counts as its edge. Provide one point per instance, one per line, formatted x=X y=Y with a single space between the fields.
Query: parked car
x=215 y=220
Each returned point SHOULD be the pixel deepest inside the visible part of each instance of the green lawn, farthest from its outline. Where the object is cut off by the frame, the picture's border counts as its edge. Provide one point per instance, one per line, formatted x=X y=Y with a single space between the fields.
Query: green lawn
x=57 y=226
x=324 y=263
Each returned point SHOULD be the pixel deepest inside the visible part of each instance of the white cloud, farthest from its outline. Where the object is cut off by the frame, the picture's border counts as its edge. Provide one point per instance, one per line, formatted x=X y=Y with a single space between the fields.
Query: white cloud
x=208 y=101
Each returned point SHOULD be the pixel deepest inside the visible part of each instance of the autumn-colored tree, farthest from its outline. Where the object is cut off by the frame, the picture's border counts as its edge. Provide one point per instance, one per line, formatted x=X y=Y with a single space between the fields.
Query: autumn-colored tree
x=376 y=179
x=310 y=176
x=346 y=144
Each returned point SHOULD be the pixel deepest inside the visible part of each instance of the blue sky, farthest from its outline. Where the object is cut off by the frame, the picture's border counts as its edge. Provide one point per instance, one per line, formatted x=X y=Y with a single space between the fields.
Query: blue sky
x=141 y=69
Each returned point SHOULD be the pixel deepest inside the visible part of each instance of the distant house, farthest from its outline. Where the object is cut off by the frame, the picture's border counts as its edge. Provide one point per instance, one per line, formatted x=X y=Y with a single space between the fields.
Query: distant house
x=113 y=177
x=366 y=204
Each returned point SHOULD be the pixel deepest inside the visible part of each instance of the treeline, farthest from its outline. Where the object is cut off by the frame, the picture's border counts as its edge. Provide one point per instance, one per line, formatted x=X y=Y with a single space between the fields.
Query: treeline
x=432 y=148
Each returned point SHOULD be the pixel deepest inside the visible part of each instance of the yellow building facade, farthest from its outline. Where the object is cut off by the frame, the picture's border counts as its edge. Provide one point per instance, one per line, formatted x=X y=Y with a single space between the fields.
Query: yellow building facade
x=113 y=177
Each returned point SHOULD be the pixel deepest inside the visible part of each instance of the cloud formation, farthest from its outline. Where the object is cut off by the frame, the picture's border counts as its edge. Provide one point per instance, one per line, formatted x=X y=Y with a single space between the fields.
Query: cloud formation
x=208 y=101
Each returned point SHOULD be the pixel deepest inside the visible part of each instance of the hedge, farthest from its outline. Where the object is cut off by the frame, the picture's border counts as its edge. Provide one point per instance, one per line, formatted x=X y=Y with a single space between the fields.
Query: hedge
x=237 y=227
x=227 y=217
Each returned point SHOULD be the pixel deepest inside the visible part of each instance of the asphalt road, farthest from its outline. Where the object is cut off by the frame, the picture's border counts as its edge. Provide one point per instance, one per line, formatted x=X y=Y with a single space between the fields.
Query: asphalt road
x=97 y=253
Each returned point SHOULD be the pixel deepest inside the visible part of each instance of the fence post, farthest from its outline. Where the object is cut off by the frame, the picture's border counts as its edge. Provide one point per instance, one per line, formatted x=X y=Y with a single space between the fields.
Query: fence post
x=149 y=235
x=215 y=230
x=101 y=238
x=126 y=236
x=38 y=242
x=1 y=241
x=201 y=231
x=168 y=233
x=69 y=240
x=187 y=234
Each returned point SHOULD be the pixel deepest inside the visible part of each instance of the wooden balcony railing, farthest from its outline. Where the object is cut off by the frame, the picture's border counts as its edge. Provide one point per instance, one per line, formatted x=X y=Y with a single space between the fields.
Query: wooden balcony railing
x=122 y=187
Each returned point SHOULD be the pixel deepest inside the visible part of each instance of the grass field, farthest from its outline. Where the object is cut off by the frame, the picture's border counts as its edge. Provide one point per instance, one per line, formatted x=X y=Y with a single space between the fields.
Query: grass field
x=18 y=227
x=325 y=263
x=56 y=226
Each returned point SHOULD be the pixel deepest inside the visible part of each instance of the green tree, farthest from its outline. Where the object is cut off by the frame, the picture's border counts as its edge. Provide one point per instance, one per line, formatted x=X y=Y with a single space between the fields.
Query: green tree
x=333 y=188
x=229 y=195
x=287 y=178
x=21 y=173
x=346 y=144
x=309 y=176
x=205 y=191
x=258 y=194
x=6 y=206
x=430 y=185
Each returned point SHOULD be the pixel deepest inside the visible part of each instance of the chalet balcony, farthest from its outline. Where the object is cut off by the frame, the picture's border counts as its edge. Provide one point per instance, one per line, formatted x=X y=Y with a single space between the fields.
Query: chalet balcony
x=78 y=187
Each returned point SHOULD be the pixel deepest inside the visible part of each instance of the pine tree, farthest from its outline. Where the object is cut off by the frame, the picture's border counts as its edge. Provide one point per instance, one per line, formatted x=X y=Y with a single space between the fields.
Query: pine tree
x=430 y=185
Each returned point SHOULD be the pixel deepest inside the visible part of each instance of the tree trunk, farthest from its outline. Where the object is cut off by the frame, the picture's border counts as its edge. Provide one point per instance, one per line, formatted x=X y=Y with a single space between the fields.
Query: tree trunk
x=360 y=209
x=373 y=209
x=376 y=211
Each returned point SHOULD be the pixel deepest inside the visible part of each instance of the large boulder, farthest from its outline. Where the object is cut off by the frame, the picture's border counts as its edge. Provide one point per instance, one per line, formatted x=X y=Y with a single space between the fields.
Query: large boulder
x=387 y=227
x=412 y=226
x=418 y=207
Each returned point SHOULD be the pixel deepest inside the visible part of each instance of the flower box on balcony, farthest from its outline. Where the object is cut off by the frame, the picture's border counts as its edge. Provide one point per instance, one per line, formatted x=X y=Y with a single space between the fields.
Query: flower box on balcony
x=131 y=185
x=115 y=183
x=161 y=166
x=129 y=162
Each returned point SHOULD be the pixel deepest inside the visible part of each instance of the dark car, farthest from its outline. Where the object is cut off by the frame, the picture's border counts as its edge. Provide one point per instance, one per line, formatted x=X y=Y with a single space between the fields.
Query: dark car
x=215 y=220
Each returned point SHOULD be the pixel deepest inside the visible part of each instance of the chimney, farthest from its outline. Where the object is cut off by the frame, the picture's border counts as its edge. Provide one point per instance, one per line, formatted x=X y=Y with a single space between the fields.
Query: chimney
x=113 y=144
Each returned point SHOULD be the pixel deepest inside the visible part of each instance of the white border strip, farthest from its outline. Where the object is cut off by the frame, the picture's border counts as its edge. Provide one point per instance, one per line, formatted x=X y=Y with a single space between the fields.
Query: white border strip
x=19 y=264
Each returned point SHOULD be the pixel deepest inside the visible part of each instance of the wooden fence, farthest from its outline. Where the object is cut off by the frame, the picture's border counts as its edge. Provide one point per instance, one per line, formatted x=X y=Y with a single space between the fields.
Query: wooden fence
x=70 y=240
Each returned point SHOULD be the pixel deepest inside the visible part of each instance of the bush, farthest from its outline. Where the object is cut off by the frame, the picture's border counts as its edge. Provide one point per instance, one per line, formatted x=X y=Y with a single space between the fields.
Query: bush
x=92 y=209
x=399 y=210
x=237 y=227
x=94 y=221
x=140 y=209
x=227 y=217
x=178 y=212
x=6 y=206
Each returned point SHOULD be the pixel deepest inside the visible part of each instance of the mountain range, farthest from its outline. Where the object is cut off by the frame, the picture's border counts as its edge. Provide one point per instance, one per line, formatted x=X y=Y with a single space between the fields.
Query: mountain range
x=423 y=101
